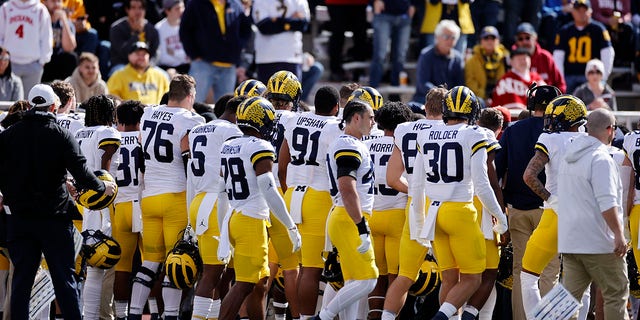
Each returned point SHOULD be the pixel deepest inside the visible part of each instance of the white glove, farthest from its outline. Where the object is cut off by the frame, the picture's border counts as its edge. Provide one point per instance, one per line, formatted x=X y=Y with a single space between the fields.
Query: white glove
x=552 y=201
x=295 y=238
x=224 y=257
x=501 y=225
x=365 y=243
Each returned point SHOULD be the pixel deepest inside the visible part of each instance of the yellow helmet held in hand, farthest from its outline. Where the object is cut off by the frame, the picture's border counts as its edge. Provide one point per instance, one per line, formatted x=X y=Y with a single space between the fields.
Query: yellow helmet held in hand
x=96 y=200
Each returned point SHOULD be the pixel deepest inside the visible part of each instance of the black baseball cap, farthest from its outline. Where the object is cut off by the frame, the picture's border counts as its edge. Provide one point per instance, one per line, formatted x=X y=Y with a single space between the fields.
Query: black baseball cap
x=139 y=46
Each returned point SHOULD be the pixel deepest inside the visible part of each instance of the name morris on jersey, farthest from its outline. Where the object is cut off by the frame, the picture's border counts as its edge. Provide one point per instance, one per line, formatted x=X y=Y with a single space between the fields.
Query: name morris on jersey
x=378 y=147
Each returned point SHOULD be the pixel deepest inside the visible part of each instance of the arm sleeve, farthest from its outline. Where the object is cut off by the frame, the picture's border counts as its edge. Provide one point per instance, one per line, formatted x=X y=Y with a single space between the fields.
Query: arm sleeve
x=606 y=55
x=153 y=39
x=268 y=26
x=481 y=183
x=267 y=185
x=186 y=32
x=605 y=191
x=416 y=192
x=558 y=58
x=223 y=201
x=348 y=165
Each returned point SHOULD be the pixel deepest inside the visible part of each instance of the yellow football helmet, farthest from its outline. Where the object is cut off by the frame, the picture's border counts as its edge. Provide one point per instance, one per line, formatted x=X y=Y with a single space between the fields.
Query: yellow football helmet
x=259 y=114
x=100 y=250
x=332 y=272
x=284 y=85
x=564 y=112
x=250 y=88
x=94 y=200
x=368 y=95
x=183 y=264
x=428 y=278
x=460 y=102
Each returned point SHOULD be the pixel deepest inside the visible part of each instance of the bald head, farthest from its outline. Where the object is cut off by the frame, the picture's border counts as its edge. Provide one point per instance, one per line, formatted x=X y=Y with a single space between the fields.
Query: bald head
x=599 y=122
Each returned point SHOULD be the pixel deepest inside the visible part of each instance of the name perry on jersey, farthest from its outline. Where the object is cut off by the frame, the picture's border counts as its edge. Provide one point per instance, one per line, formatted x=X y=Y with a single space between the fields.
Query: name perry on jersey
x=128 y=140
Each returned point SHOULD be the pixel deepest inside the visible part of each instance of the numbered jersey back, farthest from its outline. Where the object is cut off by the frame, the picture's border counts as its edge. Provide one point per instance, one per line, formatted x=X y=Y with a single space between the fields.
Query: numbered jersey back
x=447 y=153
x=205 y=142
x=348 y=148
x=70 y=121
x=553 y=144
x=162 y=129
x=308 y=137
x=631 y=146
x=93 y=138
x=238 y=159
x=130 y=163
x=405 y=137
x=385 y=196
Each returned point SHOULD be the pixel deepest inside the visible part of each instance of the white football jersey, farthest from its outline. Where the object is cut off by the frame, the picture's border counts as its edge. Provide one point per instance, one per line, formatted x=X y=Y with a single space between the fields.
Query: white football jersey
x=70 y=121
x=162 y=129
x=385 y=196
x=631 y=146
x=91 y=139
x=405 y=137
x=308 y=137
x=554 y=144
x=238 y=157
x=350 y=147
x=130 y=162
x=282 y=119
x=205 y=141
x=447 y=152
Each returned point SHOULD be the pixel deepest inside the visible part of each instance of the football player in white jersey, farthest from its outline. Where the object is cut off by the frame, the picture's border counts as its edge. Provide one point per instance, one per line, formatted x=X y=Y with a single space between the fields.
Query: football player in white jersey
x=99 y=141
x=351 y=174
x=451 y=162
x=66 y=117
x=563 y=117
x=247 y=196
x=303 y=176
x=127 y=218
x=165 y=146
x=482 y=302
x=203 y=177
x=375 y=100
x=399 y=171
x=389 y=204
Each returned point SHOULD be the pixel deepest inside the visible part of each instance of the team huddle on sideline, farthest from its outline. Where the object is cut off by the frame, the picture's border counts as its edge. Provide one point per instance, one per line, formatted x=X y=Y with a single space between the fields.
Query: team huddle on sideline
x=270 y=195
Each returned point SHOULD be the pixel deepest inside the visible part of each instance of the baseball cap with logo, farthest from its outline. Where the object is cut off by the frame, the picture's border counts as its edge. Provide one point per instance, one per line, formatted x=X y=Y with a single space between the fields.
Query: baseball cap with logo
x=139 y=46
x=489 y=31
x=42 y=95
x=584 y=3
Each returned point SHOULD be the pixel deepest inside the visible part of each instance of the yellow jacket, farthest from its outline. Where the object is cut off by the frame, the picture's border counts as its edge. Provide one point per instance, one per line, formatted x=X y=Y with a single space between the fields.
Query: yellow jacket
x=147 y=87
x=433 y=15
x=479 y=66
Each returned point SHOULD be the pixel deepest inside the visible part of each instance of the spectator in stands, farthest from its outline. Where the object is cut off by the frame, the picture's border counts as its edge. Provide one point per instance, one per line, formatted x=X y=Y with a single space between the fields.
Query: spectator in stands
x=126 y=31
x=440 y=63
x=213 y=39
x=138 y=80
x=86 y=79
x=541 y=60
x=391 y=20
x=516 y=11
x=347 y=15
x=10 y=84
x=312 y=71
x=457 y=11
x=484 y=13
x=579 y=42
x=279 y=23
x=86 y=37
x=30 y=44
x=616 y=16
x=487 y=64
x=511 y=90
x=555 y=14
x=171 y=55
x=63 y=58
x=596 y=93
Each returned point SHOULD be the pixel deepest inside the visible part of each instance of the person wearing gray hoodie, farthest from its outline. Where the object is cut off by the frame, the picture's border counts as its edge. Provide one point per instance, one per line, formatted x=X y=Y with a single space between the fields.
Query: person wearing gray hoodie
x=590 y=235
x=10 y=84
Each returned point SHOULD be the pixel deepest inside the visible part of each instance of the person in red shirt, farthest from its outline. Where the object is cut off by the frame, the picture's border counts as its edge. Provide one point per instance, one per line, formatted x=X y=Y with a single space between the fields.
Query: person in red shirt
x=511 y=90
x=541 y=59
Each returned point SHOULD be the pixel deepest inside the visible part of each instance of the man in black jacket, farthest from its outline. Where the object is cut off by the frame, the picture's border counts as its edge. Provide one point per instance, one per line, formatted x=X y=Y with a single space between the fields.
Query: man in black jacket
x=35 y=155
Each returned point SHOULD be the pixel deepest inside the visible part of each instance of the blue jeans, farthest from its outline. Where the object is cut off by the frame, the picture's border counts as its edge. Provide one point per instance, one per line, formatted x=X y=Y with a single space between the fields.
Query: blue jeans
x=310 y=78
x=221 y=79
x=398 y=29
